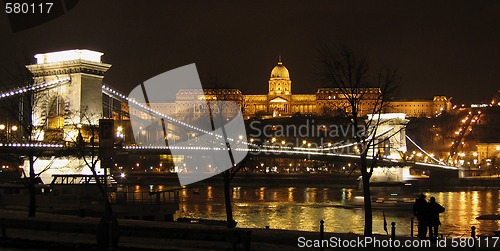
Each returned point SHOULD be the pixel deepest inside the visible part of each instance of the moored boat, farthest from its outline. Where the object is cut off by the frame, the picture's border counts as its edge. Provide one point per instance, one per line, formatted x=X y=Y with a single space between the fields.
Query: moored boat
x=391 y=195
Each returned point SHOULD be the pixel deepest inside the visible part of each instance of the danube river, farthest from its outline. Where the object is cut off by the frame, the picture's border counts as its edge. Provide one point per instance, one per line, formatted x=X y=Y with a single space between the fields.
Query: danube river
x=301 y=208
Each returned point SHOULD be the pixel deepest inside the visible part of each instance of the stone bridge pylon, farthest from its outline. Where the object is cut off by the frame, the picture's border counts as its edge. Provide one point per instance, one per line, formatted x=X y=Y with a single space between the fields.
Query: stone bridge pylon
x=77 y=99
x=71 y=100
x=390 y=143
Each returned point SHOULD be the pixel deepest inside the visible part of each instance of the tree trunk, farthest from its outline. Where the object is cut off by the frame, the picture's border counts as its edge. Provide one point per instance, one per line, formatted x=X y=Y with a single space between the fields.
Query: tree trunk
x=227 y=200
x=107 y=204
x=367 y=197
x=31 y=188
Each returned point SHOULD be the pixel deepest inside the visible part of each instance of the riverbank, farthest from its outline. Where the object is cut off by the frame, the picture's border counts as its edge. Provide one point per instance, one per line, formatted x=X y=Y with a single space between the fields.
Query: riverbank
x=333 y=180
x=60 y=232
x=318 y=180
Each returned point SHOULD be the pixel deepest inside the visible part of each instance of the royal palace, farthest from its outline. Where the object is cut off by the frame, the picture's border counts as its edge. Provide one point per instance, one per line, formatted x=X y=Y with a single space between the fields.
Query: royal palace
x=281 y=102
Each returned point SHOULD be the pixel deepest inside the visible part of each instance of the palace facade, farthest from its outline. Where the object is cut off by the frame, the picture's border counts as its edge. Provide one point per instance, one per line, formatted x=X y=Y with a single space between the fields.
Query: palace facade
x=281 y=102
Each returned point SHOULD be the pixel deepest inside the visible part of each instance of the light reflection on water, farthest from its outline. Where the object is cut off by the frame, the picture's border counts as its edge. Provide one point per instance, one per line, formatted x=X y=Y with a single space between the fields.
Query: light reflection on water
x=301 y=208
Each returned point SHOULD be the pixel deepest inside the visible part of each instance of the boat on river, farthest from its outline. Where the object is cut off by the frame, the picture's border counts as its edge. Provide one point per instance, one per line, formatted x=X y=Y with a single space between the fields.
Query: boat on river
x=386 y=195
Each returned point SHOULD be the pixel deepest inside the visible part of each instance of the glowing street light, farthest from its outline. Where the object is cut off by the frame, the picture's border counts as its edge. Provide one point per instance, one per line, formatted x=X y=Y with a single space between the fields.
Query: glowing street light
x=14 y=128
x=119 y=133
x=2 y=127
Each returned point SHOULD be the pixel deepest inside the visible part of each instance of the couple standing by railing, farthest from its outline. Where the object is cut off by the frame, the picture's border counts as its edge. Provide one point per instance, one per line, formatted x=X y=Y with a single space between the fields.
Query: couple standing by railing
x=427 y=214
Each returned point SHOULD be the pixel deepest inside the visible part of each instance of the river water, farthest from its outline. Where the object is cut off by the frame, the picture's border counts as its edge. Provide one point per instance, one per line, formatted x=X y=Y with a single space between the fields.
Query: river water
x=301 y=208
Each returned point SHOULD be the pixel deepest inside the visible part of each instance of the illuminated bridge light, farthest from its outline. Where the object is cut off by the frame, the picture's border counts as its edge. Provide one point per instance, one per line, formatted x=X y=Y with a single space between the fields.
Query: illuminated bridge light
x=32 y=88
x=320 y=151
x=148 y=109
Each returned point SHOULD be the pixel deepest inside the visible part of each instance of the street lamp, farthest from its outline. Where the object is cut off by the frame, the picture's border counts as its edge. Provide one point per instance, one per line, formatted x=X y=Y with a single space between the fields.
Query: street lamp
x=13 y=129
x=2 y=128
x=119 y=133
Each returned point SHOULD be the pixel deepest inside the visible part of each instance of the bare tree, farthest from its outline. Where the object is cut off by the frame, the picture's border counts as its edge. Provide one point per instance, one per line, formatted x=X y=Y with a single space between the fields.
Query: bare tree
x=86 y=147
x=86 y=143
x=222 y=105
x=18 y=108
x=349 y=74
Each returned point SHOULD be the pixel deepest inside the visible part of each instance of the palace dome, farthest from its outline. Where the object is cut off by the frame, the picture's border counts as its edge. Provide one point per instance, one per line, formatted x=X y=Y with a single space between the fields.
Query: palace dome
x=280 y=71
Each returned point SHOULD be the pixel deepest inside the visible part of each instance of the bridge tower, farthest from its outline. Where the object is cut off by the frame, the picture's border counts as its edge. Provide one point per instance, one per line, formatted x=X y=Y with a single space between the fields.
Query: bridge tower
x=70 y=99
x=78 y=97
x=390 y=144
x=391 y=140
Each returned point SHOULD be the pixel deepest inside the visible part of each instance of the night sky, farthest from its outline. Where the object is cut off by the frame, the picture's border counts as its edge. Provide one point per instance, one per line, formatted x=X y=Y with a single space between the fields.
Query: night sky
x=439 y=47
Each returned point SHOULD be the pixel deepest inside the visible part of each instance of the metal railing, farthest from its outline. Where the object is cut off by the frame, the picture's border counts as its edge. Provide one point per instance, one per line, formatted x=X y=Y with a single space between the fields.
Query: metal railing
x=146 y=198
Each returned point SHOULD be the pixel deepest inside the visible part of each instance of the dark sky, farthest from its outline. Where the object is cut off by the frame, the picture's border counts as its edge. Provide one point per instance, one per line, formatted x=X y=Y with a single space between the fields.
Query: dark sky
x=439 y=47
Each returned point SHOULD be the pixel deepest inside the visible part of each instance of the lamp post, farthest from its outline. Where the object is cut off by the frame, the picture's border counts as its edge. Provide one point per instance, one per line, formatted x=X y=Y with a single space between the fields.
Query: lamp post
x=119 y=131
x=120 y=134
x=2 y=129
x=192 y=136
x=8 y=131
x=143 y=137
x=170 y=136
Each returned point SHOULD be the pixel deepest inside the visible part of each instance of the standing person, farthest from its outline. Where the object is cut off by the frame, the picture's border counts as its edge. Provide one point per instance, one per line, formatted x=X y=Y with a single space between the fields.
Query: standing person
x=420 y=211
x=434 y=209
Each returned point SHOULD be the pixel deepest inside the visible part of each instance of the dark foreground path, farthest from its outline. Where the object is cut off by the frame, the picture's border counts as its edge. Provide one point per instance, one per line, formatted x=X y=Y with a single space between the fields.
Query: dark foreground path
x=60 y=232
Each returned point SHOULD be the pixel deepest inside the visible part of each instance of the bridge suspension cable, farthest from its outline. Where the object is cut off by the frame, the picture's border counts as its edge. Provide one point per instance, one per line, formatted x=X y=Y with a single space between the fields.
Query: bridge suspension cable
x=35 y=88
x=145 y=108
x=426 y=153
x=114 y=94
